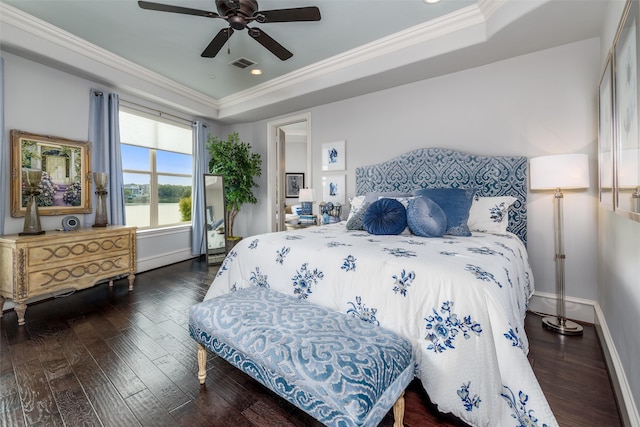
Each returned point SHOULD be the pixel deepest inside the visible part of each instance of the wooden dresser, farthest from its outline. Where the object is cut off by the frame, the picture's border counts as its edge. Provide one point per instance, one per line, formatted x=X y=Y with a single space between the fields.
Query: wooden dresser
x=63 y=260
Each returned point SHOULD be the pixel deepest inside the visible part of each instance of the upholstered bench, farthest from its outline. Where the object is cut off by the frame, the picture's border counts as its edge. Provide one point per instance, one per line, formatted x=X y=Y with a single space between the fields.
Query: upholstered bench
x=341 y=370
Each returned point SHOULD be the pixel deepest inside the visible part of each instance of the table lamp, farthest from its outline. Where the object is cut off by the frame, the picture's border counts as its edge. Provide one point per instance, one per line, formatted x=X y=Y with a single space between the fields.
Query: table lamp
x=306 y=198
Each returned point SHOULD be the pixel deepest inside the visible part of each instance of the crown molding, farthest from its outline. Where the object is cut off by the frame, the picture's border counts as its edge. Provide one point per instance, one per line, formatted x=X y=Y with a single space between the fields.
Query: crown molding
x=38 y=28
x=461 y=19
x=467 y=26
x=489 y=7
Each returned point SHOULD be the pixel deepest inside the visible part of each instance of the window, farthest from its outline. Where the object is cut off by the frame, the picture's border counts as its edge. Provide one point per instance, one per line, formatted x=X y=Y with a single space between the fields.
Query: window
x=158 y=169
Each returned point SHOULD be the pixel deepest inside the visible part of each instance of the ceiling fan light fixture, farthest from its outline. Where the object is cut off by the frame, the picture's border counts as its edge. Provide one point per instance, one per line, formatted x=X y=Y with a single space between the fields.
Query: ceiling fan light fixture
x=237 y=22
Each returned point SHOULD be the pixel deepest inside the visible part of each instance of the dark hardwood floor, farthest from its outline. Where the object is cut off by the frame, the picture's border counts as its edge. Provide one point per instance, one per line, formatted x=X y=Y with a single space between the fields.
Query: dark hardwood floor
x=107 y=356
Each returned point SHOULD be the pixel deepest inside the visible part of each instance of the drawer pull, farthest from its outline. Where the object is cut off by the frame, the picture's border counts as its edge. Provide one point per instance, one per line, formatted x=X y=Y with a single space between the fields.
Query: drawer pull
x=82 y=248
x=78 y=271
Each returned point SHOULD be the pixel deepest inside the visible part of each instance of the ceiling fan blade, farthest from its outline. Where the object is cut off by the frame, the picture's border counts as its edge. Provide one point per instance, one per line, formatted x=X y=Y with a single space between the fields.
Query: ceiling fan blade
x=310 y=13
x=216 y=44
x=273 y=46
x=176 y=9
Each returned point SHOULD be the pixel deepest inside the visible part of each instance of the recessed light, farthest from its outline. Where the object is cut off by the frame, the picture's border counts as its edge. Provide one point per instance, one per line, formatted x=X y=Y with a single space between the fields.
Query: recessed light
x=212 y=76
x=431 y=1
x=256 y=71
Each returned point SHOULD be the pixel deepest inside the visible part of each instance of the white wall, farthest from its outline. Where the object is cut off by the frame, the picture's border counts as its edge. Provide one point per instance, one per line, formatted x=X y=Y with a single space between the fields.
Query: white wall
x=46 y=101
x=537 y=104
x=531 y=105
x=618 y=260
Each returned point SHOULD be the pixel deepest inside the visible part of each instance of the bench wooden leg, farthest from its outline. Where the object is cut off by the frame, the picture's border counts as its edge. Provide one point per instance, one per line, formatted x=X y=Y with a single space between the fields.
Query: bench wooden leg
x=398 y=411
x=202 y=364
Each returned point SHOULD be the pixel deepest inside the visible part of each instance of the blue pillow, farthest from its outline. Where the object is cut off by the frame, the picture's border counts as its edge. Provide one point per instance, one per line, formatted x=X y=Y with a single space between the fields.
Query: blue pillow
x=455 y=202
x=426 y=218
x=385 y=216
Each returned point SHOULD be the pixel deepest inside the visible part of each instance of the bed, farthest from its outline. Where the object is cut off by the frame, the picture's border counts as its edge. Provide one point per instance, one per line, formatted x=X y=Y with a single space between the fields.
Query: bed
x=461 y=301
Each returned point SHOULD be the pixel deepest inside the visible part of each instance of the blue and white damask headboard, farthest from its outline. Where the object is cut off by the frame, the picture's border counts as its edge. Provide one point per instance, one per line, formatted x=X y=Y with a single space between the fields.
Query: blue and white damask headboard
x=439 y=167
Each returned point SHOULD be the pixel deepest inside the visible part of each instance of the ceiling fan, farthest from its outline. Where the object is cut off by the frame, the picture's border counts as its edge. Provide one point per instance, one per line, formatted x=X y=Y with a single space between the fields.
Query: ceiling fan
x=239 y=13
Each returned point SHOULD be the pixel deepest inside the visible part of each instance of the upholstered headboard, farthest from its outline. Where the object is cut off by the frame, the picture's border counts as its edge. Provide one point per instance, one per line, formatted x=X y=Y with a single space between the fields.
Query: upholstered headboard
x=439 y=167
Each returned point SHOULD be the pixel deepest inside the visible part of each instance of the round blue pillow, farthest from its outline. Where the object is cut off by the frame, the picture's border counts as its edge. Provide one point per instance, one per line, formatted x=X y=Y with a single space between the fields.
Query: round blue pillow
x=385 y=216
x=426 y=218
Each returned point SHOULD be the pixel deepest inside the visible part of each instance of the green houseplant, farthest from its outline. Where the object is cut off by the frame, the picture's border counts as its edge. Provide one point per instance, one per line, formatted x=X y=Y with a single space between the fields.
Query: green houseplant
x=234 y=160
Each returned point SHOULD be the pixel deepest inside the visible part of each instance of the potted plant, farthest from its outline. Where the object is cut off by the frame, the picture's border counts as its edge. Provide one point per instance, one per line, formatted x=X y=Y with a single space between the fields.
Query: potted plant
x=234 y=160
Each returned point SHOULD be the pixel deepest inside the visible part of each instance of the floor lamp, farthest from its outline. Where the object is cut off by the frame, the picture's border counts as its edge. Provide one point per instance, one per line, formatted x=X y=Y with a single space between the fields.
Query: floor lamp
x=560 y=172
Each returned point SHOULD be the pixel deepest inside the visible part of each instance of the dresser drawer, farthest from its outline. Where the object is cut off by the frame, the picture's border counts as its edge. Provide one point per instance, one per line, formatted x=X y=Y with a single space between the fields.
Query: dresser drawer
x=77 y=275
x=76 y=248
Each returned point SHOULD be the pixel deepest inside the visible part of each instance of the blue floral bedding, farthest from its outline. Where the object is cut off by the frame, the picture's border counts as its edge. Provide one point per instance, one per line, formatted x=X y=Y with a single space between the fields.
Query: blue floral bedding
x=461 y=301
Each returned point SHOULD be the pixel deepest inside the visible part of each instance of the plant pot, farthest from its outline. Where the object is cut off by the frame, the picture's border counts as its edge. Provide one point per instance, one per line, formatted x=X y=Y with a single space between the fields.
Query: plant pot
x=230 y=242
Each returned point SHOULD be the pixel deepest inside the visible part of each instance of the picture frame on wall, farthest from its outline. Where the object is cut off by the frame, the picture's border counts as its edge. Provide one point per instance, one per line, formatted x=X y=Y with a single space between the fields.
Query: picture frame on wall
x=626 y=114
x=333 y=156
x=605 y=136
x=334 y=189
x=65 y=187
x=294 y=182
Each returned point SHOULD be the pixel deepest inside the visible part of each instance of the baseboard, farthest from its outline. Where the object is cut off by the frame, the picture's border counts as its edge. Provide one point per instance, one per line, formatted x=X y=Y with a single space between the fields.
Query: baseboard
x=162 y=260
x=576 y=308
x=589 y=311
x=621 y=388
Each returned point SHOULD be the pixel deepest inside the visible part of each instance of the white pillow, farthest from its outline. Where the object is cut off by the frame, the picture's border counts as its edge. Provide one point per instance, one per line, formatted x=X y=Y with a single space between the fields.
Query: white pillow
x=402 y=199
x=356 y=204
x=490 y=214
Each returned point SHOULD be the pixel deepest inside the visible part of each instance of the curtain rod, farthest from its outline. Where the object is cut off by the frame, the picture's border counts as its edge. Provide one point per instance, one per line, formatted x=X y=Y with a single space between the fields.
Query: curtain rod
x=152 y=110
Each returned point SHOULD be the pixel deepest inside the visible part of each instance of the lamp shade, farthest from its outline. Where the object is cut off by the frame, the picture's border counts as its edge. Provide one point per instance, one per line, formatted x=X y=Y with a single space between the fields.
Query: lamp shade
x=565 y=171
x=306 y=195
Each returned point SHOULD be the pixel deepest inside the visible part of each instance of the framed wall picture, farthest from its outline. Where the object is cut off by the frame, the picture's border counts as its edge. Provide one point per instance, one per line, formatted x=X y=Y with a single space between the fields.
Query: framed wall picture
x=333 y=156
x=605 y=136
x=627 y=144
x=65 y=187
x=333 y=189
x=294 y=182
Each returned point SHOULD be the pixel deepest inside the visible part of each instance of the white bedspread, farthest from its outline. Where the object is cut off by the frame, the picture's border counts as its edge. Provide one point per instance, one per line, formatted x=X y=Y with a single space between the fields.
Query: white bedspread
x=460 y=300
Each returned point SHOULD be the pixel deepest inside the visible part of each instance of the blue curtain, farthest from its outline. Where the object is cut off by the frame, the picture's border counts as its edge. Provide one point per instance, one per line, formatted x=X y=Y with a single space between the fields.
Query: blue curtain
x=104 y=133
x=4 y=154
x=200 y=167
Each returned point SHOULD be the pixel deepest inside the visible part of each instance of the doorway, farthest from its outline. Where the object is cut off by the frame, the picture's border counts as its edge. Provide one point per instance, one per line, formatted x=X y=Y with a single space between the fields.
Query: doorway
x=289 y=151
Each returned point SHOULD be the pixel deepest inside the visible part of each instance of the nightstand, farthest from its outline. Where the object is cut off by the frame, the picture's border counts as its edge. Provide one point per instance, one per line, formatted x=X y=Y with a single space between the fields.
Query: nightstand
x=304 y=221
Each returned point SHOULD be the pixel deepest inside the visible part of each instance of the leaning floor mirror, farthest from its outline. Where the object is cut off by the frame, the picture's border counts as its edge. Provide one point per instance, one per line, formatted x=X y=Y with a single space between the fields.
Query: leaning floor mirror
x=214 y=214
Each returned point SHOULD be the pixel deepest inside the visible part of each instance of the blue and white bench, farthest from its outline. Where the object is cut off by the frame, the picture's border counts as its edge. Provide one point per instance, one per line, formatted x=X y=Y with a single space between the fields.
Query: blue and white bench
x=339 y=369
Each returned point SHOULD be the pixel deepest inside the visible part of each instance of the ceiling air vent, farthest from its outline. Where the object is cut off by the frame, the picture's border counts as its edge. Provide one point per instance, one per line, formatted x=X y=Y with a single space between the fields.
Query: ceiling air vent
x=243 y=63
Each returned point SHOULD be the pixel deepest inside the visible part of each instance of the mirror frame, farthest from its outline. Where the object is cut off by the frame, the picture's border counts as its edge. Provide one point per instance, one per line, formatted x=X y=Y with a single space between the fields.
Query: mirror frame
x=27 y=151
x=214 y=255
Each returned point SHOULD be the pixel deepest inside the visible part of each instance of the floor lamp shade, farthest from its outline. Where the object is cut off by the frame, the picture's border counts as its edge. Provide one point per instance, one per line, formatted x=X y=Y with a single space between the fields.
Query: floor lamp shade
x=565 y=171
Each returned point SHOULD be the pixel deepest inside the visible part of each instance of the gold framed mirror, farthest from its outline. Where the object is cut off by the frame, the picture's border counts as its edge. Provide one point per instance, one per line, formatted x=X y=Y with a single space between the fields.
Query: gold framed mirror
x=65 y=186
